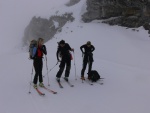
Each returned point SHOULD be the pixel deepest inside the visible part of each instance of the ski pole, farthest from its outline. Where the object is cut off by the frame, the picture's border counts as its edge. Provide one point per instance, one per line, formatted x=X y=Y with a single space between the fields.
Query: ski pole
x=31 y=80
x=52 y=67
x=75 y=66
x=47 y=70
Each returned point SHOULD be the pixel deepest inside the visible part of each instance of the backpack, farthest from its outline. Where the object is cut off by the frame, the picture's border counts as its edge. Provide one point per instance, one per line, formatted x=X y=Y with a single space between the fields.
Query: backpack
x=33 y=44
x=93 y=76
x=71 y=56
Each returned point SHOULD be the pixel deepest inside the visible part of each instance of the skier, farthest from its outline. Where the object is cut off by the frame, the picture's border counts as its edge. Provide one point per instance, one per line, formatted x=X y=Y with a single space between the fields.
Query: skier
x=64 y=52
x=38 y=62
x=88 y=57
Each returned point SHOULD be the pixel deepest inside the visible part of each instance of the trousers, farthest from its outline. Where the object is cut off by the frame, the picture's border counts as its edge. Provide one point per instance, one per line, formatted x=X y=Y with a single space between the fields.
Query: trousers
x=38 y=66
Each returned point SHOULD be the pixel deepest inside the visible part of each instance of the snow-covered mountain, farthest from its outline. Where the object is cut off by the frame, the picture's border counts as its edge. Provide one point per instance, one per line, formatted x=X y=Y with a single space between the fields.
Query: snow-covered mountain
x=121 y=57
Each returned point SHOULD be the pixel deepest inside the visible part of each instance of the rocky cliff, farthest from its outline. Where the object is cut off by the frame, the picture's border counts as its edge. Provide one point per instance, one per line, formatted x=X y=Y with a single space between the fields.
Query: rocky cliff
x=45 y=28
x=128 y=13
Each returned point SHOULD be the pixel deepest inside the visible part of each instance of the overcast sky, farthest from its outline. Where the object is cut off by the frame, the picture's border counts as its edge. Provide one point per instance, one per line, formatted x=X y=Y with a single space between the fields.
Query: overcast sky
x=15 y=15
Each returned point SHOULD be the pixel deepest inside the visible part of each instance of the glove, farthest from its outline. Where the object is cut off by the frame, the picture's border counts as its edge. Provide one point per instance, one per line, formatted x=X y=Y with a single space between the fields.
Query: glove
x=72 y=49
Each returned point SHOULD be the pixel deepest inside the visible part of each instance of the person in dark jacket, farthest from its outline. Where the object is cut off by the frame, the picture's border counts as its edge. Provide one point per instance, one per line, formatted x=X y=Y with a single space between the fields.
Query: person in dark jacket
x=38 y=62
x=63 y=51
x=87 y=50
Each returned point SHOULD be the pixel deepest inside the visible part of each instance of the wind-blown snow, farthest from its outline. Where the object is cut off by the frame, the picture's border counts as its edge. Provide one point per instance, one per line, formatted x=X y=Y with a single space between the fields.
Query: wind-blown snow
x=56 y=24
x=121 y=57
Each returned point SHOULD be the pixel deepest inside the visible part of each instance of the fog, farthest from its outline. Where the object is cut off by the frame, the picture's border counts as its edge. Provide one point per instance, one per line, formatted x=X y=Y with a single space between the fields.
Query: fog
x=15 y=15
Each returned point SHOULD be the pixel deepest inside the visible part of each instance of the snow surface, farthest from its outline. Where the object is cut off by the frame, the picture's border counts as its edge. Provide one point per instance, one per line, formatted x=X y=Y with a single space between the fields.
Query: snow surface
x=121 y=57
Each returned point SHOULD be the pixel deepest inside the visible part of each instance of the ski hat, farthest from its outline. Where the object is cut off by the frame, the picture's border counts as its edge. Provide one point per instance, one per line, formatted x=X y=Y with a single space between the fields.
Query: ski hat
x=88 y=43
x=62 y=42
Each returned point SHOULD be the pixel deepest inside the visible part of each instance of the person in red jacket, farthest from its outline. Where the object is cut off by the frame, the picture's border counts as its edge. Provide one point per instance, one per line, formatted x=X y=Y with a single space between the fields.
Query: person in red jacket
x=38 y=62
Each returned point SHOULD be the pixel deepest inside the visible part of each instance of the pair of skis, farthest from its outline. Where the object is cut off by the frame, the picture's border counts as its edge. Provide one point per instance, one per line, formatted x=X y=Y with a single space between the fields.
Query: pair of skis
x=60 y=85
x=91 y=83
x=87 y=81
x=42 y=94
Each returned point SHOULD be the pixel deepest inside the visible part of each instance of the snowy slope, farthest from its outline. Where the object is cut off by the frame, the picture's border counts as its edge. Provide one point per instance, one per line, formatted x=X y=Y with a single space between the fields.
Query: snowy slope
x=121 y=57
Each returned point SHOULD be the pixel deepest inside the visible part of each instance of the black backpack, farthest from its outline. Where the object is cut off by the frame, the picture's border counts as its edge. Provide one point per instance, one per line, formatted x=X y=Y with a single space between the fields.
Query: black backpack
x=93 y=76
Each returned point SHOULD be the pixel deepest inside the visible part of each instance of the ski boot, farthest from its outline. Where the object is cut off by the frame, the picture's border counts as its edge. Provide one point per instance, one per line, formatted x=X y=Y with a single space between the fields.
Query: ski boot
x=82 y=78
x=35 y=86
x=41 y=84
x=66 y=78
x=58 y=79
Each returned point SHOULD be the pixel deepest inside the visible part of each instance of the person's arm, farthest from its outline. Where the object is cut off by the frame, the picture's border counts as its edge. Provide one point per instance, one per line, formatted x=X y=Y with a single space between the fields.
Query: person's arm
x=44 y=49
x=93 y=48
x=57 y=53
x=72 y=49
x=69 y=48
x=81 y=48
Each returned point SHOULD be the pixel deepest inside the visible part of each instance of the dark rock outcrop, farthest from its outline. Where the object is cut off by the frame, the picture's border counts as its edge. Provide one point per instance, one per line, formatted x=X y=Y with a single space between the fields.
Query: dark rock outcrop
x=45 y=28
x=128 y=13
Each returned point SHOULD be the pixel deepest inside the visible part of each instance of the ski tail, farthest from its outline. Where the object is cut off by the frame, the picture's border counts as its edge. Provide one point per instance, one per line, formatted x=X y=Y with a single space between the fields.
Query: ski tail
x=39 y=92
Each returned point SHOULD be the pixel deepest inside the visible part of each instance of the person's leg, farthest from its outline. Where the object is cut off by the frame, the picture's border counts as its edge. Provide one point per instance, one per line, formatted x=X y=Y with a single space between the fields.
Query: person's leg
x=83 y=69
x=89 y=69
x=35 y=64
x=68 y=67
x=61 y=69
x=40 y=72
